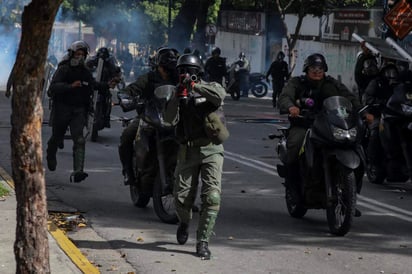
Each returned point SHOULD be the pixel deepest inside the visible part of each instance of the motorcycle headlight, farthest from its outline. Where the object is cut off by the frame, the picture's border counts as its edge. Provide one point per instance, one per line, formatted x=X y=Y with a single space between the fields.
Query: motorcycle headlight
x=343 y=134
x=406 y=109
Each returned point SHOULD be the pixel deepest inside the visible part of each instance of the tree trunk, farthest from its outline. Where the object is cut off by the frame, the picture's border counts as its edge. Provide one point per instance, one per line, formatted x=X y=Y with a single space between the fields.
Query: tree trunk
x=31 y=247
x=183 y=25
x=200 y=34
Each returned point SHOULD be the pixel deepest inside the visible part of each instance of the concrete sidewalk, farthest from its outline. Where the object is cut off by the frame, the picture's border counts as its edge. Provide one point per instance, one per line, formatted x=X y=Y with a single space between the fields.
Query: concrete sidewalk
x=60 y=262
x=65 y=258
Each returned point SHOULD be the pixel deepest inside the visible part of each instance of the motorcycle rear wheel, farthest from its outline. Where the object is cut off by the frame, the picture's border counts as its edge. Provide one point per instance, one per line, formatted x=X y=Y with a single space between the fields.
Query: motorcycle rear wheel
x=259 y=89
x=341 y=210
x=163 y=202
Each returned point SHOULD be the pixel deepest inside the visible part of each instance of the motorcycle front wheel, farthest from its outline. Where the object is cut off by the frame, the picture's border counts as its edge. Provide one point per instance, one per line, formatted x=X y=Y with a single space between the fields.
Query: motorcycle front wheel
x=164 y=202
x=340 y=210
x=259 y=89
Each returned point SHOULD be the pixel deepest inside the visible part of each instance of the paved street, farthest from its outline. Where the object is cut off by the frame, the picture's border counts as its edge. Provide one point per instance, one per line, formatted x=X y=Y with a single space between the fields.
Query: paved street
x=253 y=233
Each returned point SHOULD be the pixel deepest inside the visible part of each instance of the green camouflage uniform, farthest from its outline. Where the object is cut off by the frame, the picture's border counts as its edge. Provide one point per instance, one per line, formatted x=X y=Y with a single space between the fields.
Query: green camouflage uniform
x=197 y=156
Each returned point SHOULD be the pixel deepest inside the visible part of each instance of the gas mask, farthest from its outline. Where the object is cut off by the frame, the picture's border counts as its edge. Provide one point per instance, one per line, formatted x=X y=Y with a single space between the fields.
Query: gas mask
x=77 y=61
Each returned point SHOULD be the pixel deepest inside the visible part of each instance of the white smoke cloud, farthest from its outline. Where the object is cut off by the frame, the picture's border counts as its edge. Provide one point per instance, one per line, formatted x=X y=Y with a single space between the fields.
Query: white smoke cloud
x=9 y=42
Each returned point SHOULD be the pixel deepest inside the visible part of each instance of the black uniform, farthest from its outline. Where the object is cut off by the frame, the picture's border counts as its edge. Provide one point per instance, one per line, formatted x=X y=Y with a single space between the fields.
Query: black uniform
x=70 y=108
x=215 y=68
x=110 y=71
x=279 y=72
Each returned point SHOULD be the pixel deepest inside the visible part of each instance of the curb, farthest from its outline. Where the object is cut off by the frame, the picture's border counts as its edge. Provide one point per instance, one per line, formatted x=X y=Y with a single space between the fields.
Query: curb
x=72 y=252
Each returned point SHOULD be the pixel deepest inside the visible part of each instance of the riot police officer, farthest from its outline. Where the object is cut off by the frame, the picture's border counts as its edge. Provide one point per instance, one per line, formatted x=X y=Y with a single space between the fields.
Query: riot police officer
x=243 y=74
x=279 y=71
x=111 y=72
x=164 y=74
x=71 y=90
x=314 y=84
x=215 y=66
x=198 y=154
x=366 y=69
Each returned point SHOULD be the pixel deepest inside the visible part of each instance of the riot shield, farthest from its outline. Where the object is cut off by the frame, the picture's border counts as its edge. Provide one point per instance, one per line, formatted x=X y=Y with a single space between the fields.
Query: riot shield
x=91 y=116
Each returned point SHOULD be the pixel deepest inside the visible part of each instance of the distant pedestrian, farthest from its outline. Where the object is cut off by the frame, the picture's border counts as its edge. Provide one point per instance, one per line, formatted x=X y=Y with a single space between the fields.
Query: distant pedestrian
x=243 y=74
x=215 y=66
x=279 y=71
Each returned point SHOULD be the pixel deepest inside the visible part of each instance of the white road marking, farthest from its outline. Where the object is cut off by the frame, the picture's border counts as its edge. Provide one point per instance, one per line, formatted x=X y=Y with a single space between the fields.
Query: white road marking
x=364 y=201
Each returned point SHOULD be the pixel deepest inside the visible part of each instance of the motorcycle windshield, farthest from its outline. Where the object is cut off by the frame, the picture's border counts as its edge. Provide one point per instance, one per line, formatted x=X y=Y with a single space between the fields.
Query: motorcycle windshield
x=164 y=92
x=340 y=112
x=155 y=107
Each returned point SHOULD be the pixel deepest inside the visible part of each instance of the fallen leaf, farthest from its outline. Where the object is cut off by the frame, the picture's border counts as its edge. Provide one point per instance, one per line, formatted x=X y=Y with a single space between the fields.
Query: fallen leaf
x=140 y=239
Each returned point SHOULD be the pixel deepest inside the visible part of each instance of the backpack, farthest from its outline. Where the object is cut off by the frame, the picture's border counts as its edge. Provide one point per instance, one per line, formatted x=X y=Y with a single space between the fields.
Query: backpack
x=215 y=126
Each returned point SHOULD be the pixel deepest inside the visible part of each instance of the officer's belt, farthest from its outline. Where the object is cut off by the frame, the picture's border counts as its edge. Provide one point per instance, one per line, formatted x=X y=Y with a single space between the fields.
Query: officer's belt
x=200 y=142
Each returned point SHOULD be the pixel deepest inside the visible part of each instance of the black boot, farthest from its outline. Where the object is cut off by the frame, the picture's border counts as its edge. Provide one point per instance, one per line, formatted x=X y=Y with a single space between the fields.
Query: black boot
x=129 y=178
x=78 y=176
x=182 y=233
x=202 y=250
x=51 y=157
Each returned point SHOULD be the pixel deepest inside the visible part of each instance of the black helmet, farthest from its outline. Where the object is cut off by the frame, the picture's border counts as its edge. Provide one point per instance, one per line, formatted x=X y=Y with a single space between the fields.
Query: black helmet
x=103 y=53
x=75 y=46
x=280 y=55
x=166 y=56
x=189 y=63
x=187 y=50
x=316 y=59
x=390 y=73
x=370 y=67
x=216 y=50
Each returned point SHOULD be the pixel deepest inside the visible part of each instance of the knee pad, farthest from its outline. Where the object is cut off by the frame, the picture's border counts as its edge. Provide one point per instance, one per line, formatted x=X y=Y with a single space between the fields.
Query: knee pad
x=211 y=200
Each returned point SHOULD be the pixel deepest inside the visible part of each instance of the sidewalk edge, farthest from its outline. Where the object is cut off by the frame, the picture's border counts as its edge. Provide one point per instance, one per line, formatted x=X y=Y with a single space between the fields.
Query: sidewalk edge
x=62 y=240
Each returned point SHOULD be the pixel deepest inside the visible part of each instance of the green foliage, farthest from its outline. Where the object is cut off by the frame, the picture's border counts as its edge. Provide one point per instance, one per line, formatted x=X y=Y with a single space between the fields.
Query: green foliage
x=10 y=12
x=126 y=20
x=3 y=191
x=213 y=12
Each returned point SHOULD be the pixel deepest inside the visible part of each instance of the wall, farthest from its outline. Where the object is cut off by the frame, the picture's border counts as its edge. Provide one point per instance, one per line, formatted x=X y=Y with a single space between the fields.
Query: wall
x=231 y=44
x=340 y=58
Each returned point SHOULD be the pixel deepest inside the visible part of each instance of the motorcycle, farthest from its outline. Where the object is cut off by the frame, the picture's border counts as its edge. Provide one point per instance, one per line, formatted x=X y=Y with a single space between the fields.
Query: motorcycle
x=398 y=115
x=154 y=132
x=394 y=136
x=256 y=84
x=331 y=164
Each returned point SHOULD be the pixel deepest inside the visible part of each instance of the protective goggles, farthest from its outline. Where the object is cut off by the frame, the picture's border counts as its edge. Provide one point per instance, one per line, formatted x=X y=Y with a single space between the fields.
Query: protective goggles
x=316 y=69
